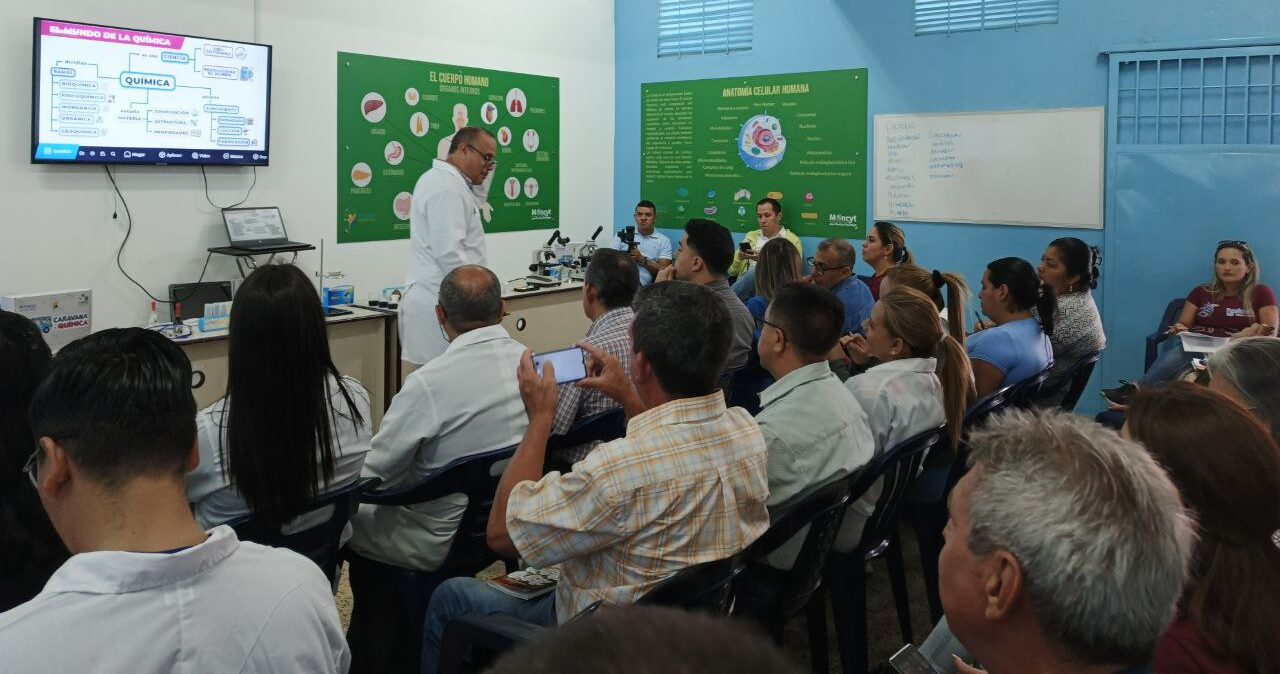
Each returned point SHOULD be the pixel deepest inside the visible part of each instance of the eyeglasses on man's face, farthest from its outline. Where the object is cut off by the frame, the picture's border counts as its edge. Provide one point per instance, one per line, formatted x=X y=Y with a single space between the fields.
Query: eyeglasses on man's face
x=761 y=322
x=486 y=156
x=32 y=466
x=820 y=269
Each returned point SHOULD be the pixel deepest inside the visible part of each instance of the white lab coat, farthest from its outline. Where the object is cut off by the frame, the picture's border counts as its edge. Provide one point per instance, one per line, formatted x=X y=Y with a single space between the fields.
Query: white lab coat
x=220 y=606
x=446 y=232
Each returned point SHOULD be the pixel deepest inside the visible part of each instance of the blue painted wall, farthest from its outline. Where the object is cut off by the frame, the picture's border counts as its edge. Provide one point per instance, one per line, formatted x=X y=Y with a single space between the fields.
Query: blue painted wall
x=1037 y=67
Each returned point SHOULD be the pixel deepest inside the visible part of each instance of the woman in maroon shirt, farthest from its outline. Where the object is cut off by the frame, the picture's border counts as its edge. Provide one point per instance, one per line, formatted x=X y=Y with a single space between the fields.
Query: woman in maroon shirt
x=1229 y=614
x=1234 y=304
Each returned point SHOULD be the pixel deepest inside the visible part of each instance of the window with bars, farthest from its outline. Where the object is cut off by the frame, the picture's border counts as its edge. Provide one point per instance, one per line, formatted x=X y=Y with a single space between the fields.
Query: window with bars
x=1199 y=100
x=704 y=26
x=957 y=16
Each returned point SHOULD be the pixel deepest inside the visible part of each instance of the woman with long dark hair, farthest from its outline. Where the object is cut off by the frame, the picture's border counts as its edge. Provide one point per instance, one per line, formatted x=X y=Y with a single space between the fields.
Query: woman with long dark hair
x=290 y=426
x=1023 y=310
x=30 y=550
x=1229 y=613
x=1071 y=267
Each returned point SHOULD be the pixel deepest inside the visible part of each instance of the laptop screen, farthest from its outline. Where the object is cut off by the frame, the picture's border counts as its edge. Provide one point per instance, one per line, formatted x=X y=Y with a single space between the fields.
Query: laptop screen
x=253 y=224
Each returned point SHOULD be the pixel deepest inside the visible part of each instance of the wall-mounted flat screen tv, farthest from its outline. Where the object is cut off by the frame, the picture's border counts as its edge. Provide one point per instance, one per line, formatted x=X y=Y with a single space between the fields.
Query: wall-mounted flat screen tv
x=109 y=95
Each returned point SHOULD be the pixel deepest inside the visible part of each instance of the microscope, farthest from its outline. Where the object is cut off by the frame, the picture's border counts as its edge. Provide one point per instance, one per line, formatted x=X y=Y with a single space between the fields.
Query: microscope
x=560 y=259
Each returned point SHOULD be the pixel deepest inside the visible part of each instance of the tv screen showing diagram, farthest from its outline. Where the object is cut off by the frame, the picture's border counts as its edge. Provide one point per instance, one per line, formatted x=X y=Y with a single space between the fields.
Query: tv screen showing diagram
x=108 y=95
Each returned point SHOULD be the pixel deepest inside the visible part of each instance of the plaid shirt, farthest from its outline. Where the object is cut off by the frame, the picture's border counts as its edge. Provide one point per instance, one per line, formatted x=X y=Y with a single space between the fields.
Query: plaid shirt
x=687 y=485
x=610 y=332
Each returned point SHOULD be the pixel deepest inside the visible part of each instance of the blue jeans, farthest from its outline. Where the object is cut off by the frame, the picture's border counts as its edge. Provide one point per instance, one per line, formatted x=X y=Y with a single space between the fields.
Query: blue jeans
x=1168 y=365
x=462 y=596
x=745 y=286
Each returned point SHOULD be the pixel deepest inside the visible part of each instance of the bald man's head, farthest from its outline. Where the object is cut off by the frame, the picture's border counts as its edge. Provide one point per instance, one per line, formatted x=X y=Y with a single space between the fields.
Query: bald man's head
x=471 y=297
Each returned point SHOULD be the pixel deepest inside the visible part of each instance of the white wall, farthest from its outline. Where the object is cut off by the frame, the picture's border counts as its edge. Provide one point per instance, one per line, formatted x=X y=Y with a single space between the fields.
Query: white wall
x=58 y=232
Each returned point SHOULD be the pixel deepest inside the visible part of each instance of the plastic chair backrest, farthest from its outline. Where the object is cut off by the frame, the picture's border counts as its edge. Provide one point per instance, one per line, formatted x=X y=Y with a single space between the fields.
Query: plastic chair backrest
x=473 y=476
x=978 y=413
x=320 y=542
x=1022 y=394
x=706 y=587
x=821 y=509
x=1171 y=312
x=1074 y=380
x=605 y=426
x=898 y=467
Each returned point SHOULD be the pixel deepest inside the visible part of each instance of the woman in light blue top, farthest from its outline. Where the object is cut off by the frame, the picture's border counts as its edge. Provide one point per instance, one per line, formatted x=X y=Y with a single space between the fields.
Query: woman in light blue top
x=1018 y=345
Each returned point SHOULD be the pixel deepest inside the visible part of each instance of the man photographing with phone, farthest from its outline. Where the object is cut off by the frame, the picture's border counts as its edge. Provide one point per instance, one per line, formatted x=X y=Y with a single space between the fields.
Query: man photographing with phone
x=609 y=523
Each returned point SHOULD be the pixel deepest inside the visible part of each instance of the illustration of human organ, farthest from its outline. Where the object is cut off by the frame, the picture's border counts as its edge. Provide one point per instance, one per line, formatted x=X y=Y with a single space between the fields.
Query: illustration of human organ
x=402 y=204
x=371 y=105
x=761 y=143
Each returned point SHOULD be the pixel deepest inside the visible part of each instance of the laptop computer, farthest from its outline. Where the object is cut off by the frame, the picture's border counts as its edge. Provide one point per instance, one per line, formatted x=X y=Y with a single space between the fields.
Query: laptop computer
x=256 y=228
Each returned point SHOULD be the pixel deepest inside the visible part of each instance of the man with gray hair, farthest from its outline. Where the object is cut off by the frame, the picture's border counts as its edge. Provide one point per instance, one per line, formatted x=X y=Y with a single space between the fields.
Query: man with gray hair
x=1066 y=550
x=833 y=270
x=464 y=402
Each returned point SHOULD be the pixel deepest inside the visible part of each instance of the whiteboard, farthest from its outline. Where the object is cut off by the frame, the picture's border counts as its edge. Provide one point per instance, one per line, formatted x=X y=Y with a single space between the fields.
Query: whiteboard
x=1027 y=167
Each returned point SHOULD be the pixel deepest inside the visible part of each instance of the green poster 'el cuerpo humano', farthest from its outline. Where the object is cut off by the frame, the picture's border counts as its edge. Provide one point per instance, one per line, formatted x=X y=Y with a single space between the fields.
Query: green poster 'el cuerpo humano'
x=395 y=116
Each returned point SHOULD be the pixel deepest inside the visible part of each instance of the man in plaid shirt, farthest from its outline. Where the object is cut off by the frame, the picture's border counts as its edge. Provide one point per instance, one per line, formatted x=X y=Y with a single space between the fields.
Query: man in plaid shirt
x=610 y=285
x=687 y=484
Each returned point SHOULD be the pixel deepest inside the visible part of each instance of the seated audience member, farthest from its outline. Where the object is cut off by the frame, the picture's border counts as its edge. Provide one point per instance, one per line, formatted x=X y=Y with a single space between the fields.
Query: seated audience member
x=290 y=427
x=779 y=264
x=1067 y=548
x=1070 y=267
x=30 y=550
x=461 y=403
x=1018 y=345
x=1234 y=304
x=950 y=307
x=833 y=270
x=921 y=380
x=1246 y=370
x=686 y=485
x=608 y=288
x=652 y=249
x=649 y=639
x=147 y=588
x=703 y=258
x=816 y=431
x=743 y=269
x=884 y=248
x=1228 y=614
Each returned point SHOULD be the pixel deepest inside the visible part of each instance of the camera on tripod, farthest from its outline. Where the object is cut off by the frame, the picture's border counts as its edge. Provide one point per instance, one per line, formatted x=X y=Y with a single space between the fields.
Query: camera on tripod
x=627 y=235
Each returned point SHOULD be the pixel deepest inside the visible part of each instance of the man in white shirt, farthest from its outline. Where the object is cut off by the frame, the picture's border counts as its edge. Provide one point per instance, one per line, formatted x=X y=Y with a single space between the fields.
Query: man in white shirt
x=446 y=232
x=146 y=589
x=465 y=402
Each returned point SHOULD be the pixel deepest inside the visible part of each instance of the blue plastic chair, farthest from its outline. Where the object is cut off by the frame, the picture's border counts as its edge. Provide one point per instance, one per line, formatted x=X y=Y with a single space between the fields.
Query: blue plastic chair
x=846 y=572
x=820 y=508
x=1162 y=331
x=1023 y=394
x=386 y=633
x=319 y=543
x=1074 y=381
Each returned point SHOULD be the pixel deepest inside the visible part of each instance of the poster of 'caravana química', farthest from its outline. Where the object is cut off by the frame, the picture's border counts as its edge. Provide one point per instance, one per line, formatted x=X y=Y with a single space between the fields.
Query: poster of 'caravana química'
x=396 y=115
x=713 y=148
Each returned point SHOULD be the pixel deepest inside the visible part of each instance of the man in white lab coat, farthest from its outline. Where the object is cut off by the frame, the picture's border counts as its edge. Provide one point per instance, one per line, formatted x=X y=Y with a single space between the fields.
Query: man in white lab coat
x=446 y=232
